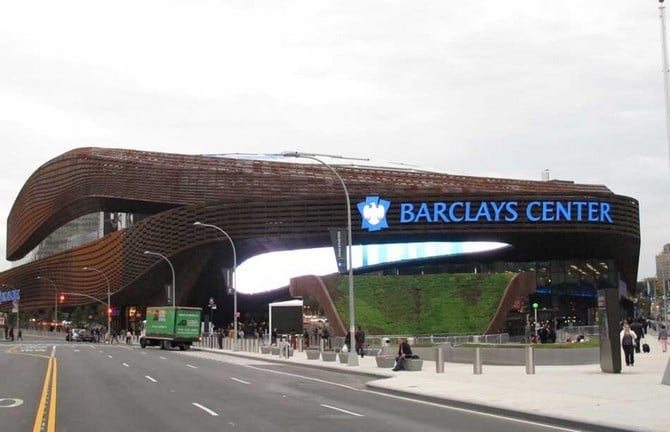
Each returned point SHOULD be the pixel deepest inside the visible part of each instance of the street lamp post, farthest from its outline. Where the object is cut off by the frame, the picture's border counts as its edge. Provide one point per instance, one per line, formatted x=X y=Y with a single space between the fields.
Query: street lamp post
x=666 y=71
x=109 y=300
x=353 y=355
x=55 y=301
x=665 y=301
x=234 y=283
x=174 y=300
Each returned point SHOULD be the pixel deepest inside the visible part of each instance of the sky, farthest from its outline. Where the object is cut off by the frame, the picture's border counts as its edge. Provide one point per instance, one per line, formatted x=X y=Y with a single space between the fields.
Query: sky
x=496 y=89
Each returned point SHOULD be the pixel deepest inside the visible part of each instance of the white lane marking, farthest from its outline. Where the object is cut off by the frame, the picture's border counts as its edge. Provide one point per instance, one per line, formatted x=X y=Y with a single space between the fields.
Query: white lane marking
x=472 y=411
x=125 y=364
x=342 y=410
x=149 y=378
x=163 y=358
x=191 y=366
x=101 y=351
x=12 y=402
x=205 y=409
x=303 y=377
x=109 y=356
x=76 y=350
x=419 y=401
x=239 y=380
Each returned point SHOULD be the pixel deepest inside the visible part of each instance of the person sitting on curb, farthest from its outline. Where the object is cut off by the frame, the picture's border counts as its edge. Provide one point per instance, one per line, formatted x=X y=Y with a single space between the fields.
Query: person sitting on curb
x=404 y=351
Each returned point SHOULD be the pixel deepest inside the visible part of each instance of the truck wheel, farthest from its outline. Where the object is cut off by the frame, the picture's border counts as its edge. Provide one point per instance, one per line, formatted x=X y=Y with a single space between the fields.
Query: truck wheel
x=143 y=343
x=182 y=348
x=165 y=345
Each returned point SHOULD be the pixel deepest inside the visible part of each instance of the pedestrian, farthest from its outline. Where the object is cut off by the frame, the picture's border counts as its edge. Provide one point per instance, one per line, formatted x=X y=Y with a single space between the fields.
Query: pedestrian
x=360 y=342
x=219 y=337
x=115 y=337
x=628 y=337
x=636 y=326
x=663 y=337
x=129 y=336
x=305 y=339
x=325 y=338
x=404 y=351
x=11 y=334
x=294 y=339
x=20 y=335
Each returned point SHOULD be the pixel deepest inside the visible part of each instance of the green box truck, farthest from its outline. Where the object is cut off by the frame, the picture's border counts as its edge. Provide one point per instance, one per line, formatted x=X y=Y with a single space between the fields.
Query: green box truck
x=171 y=326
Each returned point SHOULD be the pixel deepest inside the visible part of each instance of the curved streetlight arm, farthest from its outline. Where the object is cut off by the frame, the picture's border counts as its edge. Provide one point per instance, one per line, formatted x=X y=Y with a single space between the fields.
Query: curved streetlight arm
x=111 y=293
x=55 y=299
x=227 y=236
x=353 y=358
x=109 y=298
x=174 y=300
x=232 y=243
x=83 y=295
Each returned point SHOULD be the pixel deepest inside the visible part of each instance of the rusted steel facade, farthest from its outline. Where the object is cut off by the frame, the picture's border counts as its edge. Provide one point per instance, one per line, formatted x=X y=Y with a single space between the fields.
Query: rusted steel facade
x=265 y=206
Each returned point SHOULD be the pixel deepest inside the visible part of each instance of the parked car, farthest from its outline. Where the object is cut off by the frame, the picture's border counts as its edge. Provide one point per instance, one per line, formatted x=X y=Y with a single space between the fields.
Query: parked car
x=79 y=335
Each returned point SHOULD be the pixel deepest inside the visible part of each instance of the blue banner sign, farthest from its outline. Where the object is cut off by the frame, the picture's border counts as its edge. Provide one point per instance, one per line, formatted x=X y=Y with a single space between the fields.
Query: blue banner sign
x=6 y=296
x=374 y=211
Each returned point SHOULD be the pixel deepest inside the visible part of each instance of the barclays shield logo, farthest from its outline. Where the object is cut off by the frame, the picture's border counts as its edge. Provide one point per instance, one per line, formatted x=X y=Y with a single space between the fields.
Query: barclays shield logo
x=373 y=211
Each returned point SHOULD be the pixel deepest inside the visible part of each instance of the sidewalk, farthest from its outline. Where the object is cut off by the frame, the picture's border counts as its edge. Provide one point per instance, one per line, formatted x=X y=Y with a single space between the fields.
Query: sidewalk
x=634 y=400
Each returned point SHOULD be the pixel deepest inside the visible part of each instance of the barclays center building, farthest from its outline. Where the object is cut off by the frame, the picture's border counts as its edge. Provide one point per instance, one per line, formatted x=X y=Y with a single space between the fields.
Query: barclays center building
x=102 y=209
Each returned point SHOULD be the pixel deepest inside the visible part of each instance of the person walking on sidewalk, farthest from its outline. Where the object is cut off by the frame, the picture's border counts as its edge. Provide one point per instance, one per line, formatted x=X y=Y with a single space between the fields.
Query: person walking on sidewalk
x=636 y=326
x=628 y=338
x=360 y=342
x=663 y=338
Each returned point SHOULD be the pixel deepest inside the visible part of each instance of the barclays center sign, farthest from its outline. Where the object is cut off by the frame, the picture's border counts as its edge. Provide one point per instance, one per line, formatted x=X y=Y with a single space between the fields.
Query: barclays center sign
x=374 y=211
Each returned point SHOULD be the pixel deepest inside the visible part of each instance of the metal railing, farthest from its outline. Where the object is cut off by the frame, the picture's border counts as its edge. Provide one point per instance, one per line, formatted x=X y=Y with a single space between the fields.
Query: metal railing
x=372 y=343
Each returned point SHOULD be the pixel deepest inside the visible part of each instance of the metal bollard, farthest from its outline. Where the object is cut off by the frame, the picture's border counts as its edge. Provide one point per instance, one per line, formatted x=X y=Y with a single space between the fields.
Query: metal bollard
x=477 y=365
x=530 y=361
x=439 y=361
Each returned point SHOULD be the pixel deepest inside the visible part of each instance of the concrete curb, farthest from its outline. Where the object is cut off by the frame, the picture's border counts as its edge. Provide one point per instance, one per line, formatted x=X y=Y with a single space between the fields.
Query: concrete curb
x=451 y=402
x=504 y=412
x=318 y=364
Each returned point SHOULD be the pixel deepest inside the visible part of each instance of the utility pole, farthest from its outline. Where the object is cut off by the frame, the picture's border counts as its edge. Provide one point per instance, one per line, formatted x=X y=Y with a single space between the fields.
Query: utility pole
x=666 y=73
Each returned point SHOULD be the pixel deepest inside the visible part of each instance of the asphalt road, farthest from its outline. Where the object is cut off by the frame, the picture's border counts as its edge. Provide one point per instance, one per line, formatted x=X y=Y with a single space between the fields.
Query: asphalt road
x=119 y=387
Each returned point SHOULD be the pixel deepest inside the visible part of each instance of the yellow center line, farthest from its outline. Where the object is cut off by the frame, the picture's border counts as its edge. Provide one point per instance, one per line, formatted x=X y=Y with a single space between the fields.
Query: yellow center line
x=51 y=426
x=39 y=417
x=45 y=419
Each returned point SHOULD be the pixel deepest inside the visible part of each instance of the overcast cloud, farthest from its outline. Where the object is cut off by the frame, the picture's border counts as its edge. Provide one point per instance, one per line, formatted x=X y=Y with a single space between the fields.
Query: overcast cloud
x=504 y=89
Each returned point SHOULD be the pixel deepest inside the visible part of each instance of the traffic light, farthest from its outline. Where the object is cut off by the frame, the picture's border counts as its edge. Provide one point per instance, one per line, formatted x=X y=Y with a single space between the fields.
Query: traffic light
x=61 y=298
x=109 y=311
